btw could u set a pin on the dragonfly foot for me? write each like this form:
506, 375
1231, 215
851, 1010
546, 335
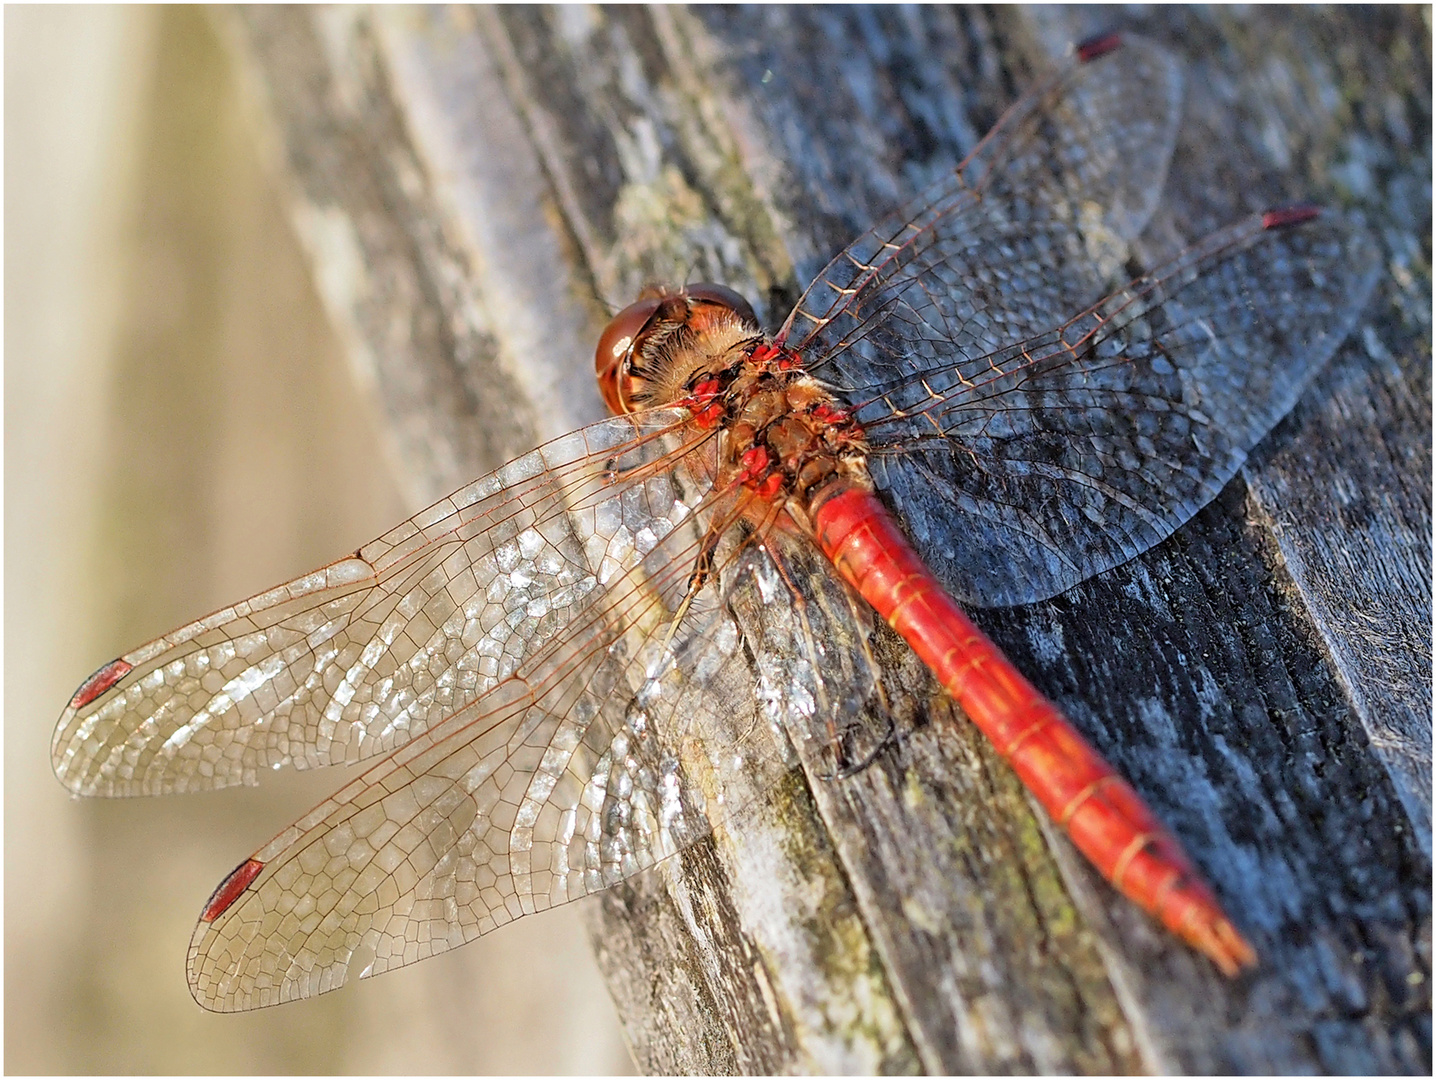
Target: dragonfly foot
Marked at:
846, 768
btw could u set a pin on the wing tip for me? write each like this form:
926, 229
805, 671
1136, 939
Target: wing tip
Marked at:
1094, 48
1281, 217
103, 679
230, 889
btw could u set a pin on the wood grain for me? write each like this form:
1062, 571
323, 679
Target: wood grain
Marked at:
475, 186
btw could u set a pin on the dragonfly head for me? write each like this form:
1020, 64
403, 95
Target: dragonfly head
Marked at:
638, 356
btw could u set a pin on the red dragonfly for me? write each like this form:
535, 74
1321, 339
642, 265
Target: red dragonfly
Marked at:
549, 663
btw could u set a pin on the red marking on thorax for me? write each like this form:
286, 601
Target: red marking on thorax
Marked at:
754, 462
99, 682
709, 416
707, 390
829, 414
231, 888
705, 403
757, 462
769, 486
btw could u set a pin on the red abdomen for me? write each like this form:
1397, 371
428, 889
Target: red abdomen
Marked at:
1105, 818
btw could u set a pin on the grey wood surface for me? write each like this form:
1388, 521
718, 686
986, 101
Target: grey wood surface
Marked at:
475, 186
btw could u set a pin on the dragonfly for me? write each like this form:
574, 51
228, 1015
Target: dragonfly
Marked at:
555, 672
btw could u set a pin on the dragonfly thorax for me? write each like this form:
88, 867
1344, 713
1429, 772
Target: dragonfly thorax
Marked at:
781, 433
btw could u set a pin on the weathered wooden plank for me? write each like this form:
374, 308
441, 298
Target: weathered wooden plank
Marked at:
396, 282
1262, 678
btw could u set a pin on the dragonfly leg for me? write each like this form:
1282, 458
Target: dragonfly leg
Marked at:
846, 768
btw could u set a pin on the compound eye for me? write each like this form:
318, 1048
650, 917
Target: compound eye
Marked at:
615, 350
723, 296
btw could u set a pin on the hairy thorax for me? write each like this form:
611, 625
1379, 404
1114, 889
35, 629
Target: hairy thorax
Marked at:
780, 433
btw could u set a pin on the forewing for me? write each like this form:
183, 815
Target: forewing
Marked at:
1020, 473
1033, 226
607, 748
366, 654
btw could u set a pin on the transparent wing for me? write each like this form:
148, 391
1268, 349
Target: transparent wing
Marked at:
1027, 449
1028, 470
612, 746
366, 654
1033, 226
562, 781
